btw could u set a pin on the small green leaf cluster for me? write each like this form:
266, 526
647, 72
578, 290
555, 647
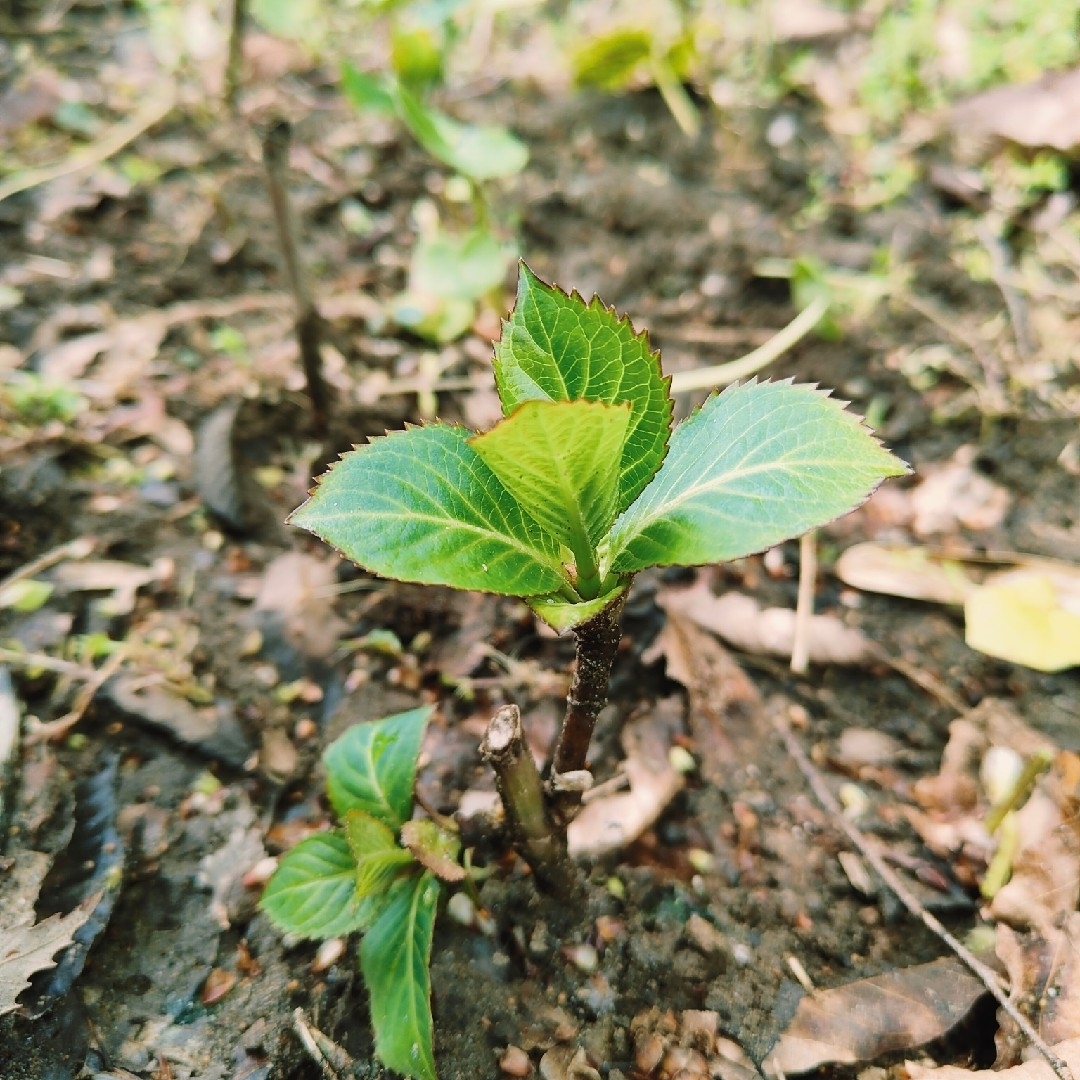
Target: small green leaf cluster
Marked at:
378, 872
451, 269
582, 484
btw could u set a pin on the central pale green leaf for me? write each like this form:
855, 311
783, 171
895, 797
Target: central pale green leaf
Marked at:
394, 957
379, 857
556, 347
560, 460
421, 505
755, 465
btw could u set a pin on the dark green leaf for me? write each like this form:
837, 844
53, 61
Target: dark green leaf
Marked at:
420, 505
755, 465
372, 767
313, 891
558, 348
394, 959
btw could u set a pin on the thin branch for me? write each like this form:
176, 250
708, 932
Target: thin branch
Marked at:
597, 643
235, 62
73, 549
753, 362
308, 328
804, 604
911, 902
112, 142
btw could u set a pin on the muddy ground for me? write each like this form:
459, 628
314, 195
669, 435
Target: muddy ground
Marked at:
616, 201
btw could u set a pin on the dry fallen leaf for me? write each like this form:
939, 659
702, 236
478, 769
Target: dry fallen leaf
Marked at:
1034, 1069
956, 494
609, 823
26, 946
298, 590
915, 573
122, 580
1029, 616
1043, 113
743, 623
861, 1021
723, 705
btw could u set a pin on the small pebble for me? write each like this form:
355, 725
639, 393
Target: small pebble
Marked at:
515, 1062
583, 957
328, 954
461, 909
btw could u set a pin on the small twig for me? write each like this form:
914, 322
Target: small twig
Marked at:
112, 142
753, 362
541, 843
1001, 272
73, 549
58, 728
926, 682
307, 1036
308, 328
234, 64
911, 902
804, 604
34, 661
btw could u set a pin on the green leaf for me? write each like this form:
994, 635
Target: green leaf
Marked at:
755, 465
372, 767
458, 266
394, 959
560, 460
561, 615
609, 61
558, 348
478, 152
365, 92
313, 891
420, 505
378, 856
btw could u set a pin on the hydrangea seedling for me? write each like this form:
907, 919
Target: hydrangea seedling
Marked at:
378, 872
581, 485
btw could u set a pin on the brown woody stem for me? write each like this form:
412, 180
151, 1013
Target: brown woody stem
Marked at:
539, 840
597, 643
308, 325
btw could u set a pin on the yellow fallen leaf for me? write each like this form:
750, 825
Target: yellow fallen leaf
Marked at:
1029, 616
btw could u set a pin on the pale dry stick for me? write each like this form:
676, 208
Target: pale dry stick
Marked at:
58, 728
73, 549
306, 1034
112, 142
804, 603
1001, 272
922, 679
44, 662
911, 902
761, 357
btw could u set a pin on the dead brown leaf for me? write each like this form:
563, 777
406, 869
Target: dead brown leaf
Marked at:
27, 946
1034, 1069
743, 623
298, 589
722, 700
1043, 113
861, 1021
611, 822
